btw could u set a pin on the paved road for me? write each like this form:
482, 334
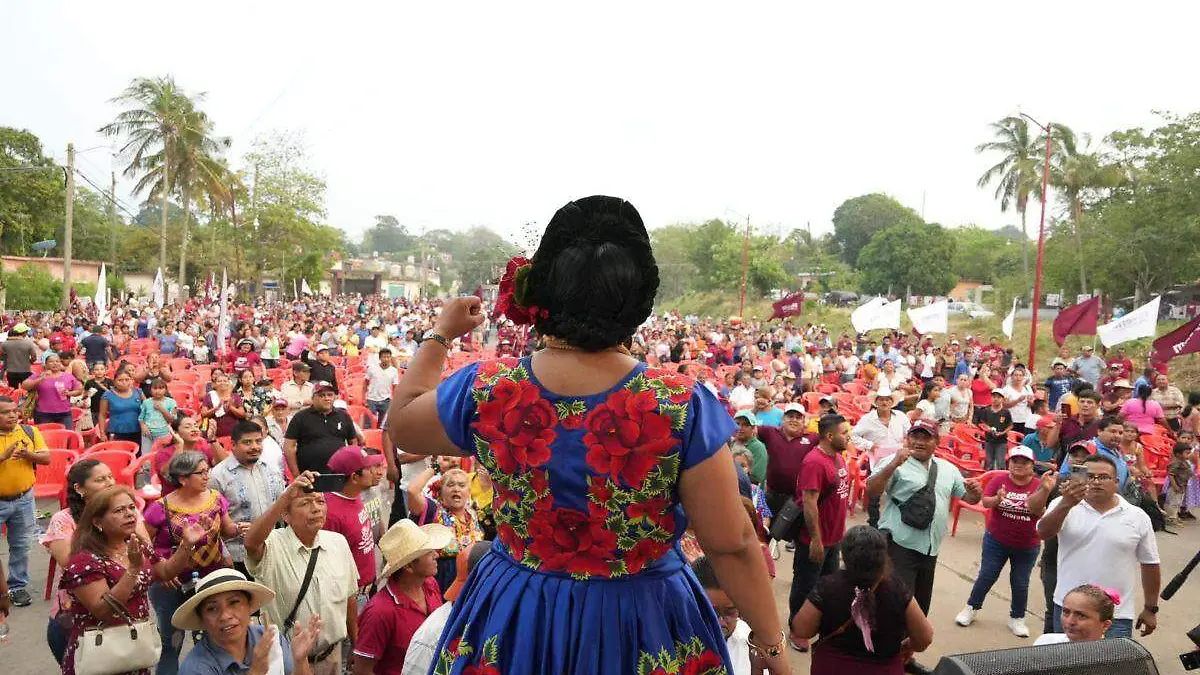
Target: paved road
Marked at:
26, 651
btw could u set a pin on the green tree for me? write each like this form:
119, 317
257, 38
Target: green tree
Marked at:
32, 190
677, 273
1016, 174
857, 220
909, 257
983, 255
388, 236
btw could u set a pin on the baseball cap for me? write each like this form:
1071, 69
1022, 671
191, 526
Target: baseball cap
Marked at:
321, 386
793, 407
1021, 451
280, 403
747, 415
20, 328
997, 390
826, 399
928, 426
1122, 384
351, 458
756, 368
1088, 348
322, 348
1045, 422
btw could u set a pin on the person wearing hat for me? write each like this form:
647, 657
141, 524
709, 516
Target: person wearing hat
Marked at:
280, 557
346, 515
746, 437
422, 649
914, 551
588, 288
995, 421
1016, 499
1043, 443
786, 445
230, 642
19, 354
1111, 376
316, 432
321, 364
298, 391
409, 596
1119, 391
1088, 366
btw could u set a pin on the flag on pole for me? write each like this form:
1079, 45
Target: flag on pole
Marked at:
223, 318
210, 286
295, 291
101, 297
304, 287
932, 318
1141, 322
863, 318
1006, 326
159, 291
1078, 320
1182, 340
791, 305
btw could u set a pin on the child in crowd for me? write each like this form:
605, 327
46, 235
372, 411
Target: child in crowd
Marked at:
737, 632
157, 415
1179, 473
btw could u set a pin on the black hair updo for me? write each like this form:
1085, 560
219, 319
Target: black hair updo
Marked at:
593, 274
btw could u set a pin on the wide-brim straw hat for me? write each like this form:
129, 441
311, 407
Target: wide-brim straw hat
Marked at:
404, 542
187, 617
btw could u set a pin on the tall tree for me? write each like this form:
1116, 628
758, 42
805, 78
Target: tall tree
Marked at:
859, 219
1079, 175
199, 170
31, 191
908, 257
1016, 174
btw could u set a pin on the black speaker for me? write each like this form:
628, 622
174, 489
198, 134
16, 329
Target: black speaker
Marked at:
1120, 656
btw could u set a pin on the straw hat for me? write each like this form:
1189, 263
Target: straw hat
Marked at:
187, 617
404, 542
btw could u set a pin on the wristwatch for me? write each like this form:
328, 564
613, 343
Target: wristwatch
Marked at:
436, 337
1153, 609
770, 651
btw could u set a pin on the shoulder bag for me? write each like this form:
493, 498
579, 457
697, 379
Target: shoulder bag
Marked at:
290, 621
136, 645
917, 511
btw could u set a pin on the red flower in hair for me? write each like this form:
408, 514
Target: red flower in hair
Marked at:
513, 294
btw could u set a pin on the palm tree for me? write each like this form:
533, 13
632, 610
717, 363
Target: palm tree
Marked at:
169, 147
198, 167
1077, 172
1016, 173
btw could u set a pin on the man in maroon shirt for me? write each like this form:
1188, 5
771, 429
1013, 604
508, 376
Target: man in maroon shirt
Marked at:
787, 445
1122, 362
824, 488
1082, 427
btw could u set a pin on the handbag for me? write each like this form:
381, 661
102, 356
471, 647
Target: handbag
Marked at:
28, 405
786, 524
136, 645
917, 511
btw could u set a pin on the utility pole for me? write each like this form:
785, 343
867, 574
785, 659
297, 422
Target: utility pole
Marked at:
68, 226
112, 219
745, 267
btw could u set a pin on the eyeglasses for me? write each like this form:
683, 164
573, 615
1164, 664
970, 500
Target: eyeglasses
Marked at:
1099, 477
199, 472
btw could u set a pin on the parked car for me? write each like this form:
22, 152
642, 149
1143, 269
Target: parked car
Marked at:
841, 298
971, 309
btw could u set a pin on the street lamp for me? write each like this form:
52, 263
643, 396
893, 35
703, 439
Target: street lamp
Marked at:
1041, 247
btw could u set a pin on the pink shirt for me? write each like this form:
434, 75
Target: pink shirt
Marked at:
51, 396
1143, 416
347, 517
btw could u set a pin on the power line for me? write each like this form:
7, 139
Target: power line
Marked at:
104, 193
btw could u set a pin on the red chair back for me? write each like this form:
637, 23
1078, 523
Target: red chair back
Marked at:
373, 439
362, 417
113, 446
64, 439
117, 460
51, 426
51, 479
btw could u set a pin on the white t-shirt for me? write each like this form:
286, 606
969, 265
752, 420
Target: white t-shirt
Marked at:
738, 645
741, 397
380, 382
1105, 549
1020, 411
1050, 639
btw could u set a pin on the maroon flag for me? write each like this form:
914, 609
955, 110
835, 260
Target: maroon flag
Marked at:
791, 305
1078, 320
1182, 340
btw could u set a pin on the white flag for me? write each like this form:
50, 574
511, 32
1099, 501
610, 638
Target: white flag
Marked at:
1007, 324
304, 287
889, 315
933, 318
159, 291
223, 317
1141, 322
863, 318
101, 297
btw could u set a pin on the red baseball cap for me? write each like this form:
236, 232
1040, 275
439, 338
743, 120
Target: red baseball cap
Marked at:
928, 426
352, 458
1045, 422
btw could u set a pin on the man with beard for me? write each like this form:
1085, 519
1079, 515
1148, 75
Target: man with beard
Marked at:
786, 445
280, 559
250, 484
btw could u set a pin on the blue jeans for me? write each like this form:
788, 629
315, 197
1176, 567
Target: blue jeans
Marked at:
17, 515
165, 601
380, 409
1119, 627
1020, 561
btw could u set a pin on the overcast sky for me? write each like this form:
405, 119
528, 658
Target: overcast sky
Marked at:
455, 114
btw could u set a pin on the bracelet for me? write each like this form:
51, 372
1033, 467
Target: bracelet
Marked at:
440, 339
770, 651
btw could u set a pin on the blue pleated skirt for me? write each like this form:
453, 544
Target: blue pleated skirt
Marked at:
513, 620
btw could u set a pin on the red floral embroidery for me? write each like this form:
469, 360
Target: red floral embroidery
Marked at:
702, 663
599, 489
680, 385
572, 422
627, 437
567, 540
643, 553
488, 370
518, 425
481, 669
539, 482
510, 538
656, 510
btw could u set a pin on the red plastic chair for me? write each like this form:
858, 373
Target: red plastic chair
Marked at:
76, 414
63, 438
828, 388
129, 477
373, 438
812, 401
110, 446
50, 480
117, 460
51, 426
957, 505
856, 388
362, 417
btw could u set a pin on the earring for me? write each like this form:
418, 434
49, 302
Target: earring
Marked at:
100, 529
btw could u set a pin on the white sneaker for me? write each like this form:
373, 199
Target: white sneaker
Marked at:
967, 617
1018, 627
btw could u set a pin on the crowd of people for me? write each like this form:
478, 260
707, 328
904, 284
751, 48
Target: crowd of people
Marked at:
364, 485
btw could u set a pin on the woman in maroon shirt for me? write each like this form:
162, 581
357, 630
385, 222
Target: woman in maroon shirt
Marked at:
1016, 499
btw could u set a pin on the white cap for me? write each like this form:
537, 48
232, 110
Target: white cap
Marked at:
1022, 451
793, 407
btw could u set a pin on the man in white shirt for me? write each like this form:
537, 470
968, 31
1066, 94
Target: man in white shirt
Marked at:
1102, 540
742, 394
880, 433
374, 343
298, 391
377, 385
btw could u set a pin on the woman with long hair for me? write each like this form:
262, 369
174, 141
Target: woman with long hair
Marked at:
255, 399
1017, 397
185, 437
1142, 411
109, 559
119, 410
982, 386
598, 465
867, 618
223, 407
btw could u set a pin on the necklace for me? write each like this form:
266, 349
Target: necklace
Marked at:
552, 342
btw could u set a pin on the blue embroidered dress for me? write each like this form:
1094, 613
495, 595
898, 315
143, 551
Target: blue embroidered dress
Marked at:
586, 577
